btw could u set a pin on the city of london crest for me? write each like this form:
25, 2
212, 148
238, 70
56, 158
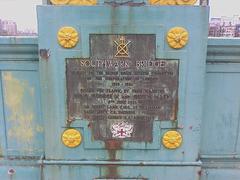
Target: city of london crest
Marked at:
122, 130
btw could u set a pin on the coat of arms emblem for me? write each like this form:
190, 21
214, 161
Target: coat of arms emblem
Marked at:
122, 47
122, 130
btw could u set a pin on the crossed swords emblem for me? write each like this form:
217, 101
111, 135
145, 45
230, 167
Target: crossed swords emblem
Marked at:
122, 47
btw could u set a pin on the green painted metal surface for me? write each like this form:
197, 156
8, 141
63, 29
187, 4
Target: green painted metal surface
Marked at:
22, 143
223, 58
21, 124
220, 127
124, 20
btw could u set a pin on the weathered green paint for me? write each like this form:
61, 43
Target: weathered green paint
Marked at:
20, 106
124, 20
21, 126
219, 152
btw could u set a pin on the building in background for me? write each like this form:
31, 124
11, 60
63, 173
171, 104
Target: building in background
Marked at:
9, 28
0, 26
215, 27
218, 27
225, 27
237, 30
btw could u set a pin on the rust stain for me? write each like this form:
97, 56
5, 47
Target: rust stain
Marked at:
174, 113
112, 147
69, 121
44, 53
16, 94
200, 173
90, 125
112, 171
113, 144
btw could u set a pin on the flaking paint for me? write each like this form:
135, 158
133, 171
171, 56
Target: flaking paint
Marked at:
22, 126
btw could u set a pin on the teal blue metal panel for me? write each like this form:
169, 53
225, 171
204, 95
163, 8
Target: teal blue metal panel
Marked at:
21, 121
58, 172
221, 116
124, 20
18, 49
223, 50
216, 73
2, 124
24, 129
220, 168
19, 173
221, 174
220, 129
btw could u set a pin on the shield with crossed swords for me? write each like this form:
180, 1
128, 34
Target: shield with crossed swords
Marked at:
122, 47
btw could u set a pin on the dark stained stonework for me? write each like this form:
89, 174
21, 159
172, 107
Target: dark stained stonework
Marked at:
137, 88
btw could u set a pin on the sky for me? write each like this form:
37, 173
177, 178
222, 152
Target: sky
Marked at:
24, 11
220, 8
21, 11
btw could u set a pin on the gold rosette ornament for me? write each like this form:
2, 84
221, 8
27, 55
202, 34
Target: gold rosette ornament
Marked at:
172, 139
67, 37
59, 2
162, 2
83, 2
71, 138
186, 2
74, 2
177, 37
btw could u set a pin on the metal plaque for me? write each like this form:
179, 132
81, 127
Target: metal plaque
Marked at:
122, 88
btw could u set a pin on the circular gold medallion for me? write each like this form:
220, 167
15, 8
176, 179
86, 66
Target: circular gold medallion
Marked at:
83, 2
67, 37
71, 138
172, 139
186, 2
177, 37
59, 2
162, 2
